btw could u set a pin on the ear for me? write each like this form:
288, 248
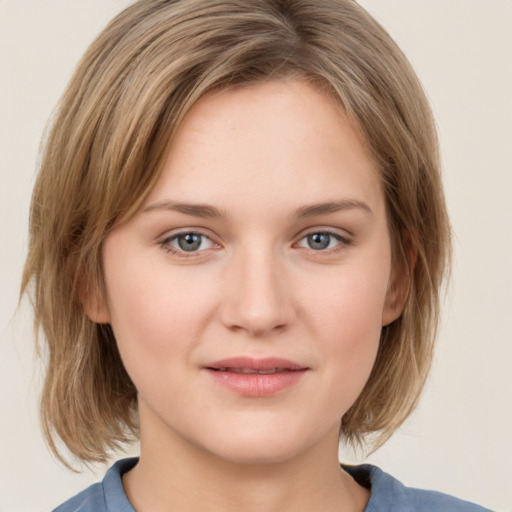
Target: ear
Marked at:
399, 286
94, 304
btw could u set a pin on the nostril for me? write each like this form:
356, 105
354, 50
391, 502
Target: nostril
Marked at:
256, 310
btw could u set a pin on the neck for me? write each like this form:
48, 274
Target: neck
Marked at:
173, 475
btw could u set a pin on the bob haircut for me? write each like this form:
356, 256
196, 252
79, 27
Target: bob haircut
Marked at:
104, 150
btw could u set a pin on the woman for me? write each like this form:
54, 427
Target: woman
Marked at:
238, 236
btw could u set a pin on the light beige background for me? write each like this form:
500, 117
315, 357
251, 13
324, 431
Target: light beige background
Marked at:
460, 439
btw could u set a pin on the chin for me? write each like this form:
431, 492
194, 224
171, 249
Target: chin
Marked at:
258, 455
262, 447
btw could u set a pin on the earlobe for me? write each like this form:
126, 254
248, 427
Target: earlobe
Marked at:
98, 314
399, 287
394, 304
94, 305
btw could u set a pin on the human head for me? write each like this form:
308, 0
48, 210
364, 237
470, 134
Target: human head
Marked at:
104, 152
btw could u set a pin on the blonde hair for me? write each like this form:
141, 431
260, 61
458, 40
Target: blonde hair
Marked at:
104, 151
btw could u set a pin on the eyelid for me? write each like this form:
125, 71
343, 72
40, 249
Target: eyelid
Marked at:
344, 240
165, 240
341, 234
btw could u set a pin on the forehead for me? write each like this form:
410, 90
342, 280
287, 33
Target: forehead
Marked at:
276, 142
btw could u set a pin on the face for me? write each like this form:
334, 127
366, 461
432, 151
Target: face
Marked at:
248, 294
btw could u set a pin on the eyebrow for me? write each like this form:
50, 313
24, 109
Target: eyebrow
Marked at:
193, 209
211, 212
331, 207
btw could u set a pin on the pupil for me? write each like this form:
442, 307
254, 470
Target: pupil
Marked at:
319, 240
189, 242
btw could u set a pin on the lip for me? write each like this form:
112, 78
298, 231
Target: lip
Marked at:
253, 377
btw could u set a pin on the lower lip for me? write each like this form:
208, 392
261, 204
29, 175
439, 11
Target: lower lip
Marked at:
256, 384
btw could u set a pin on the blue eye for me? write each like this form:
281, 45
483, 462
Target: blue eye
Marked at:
321, 241
187, 242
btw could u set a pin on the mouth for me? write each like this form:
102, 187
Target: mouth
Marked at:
252, 371
256, 377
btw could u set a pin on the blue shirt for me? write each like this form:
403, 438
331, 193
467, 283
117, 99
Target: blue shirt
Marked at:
387, 494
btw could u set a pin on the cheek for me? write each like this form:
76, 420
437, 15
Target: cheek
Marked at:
347, 320
156, 312
352, 301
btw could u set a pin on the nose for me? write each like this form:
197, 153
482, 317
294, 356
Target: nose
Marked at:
257, 297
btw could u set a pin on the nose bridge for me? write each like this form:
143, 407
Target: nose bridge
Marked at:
256, 300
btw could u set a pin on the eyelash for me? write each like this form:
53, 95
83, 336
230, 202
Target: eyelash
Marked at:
343, 243
166, 244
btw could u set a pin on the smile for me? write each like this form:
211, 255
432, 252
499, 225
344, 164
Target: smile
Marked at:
251, 371
256, 377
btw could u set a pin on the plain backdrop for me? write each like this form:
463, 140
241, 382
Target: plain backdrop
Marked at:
460, 438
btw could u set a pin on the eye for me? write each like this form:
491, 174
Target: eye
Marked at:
322, 240
187, 242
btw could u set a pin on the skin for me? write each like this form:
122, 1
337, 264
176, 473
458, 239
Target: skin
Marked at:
255, 286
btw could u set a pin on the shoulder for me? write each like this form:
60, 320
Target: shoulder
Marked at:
90, 499
389, 495
105, 496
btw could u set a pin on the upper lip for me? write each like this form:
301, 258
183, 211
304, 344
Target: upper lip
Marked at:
255, 364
